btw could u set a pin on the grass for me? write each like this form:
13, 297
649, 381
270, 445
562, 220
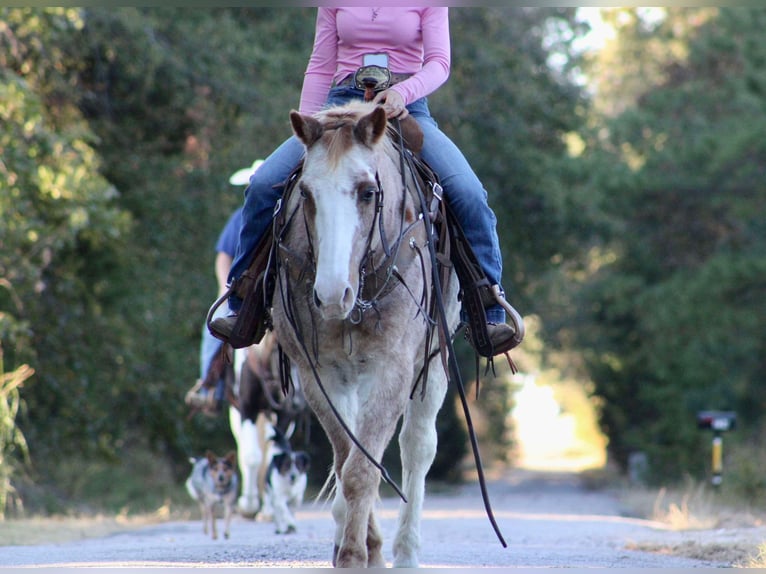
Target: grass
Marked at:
758, 560
60, 529
726, 523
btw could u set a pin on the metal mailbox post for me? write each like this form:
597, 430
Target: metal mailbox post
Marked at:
719, 422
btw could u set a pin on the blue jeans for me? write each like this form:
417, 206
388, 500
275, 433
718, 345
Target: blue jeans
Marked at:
209, 346
462, 187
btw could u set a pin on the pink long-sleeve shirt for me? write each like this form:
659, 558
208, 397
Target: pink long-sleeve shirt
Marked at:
416, 40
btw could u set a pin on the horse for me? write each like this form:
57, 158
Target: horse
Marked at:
350, 308
257, 405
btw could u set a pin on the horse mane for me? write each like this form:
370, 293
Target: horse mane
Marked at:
338, 123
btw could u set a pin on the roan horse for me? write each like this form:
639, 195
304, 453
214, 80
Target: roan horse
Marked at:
350, 309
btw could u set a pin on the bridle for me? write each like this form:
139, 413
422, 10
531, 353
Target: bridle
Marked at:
377, 267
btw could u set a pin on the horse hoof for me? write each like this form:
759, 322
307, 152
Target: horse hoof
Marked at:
348, 558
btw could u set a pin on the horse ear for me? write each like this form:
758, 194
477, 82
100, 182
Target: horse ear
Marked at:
306, 128
371, 127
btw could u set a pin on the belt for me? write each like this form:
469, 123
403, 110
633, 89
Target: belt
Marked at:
378, 78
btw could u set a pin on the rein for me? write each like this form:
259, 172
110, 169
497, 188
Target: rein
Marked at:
451, 354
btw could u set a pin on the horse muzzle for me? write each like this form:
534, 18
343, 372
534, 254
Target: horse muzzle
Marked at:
335, 301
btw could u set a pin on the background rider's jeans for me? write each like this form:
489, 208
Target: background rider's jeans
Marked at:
466, 194
209, 346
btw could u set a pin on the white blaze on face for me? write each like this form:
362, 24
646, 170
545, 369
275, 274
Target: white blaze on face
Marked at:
338, 233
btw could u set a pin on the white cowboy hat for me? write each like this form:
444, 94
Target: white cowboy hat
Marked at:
242, 176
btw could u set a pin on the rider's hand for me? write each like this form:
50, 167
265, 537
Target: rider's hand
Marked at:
393, 104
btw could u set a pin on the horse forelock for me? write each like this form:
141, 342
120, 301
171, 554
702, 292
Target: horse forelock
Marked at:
338, 136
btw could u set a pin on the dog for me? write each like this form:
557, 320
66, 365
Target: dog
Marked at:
214, 481
286, 481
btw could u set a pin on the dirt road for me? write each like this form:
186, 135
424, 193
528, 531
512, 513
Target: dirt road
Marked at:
548, 520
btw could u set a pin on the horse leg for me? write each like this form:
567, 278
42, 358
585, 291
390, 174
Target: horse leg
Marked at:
360, 480
339, 517
264, 426
373, 541
417, 443
250, 459
374, 544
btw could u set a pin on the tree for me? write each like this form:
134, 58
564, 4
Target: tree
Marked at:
61, 228
672, 328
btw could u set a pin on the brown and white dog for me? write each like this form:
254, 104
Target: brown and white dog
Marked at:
213, 481
286, 481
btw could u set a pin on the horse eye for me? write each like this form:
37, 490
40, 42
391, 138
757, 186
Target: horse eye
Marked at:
367, 193
303, 191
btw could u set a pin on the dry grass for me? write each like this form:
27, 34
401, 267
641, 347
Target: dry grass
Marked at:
59, 529
755, 560
727, 532
734, 554
693, 511
694, 506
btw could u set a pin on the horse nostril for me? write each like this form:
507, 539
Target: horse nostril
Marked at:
317, 302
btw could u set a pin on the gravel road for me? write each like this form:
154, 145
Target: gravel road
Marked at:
548, 520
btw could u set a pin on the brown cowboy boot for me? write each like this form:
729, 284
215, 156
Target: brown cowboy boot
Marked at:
504, 336
200, 398
222, 327
247, 326
254, 288
490, 339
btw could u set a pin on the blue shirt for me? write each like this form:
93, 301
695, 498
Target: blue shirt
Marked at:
229, 238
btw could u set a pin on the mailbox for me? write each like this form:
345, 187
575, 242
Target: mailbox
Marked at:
719, 422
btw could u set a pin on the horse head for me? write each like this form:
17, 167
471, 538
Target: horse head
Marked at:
341, 193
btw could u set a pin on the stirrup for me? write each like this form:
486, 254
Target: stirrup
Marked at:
475, 302
515, 317
250, 326
206, 404
214, 307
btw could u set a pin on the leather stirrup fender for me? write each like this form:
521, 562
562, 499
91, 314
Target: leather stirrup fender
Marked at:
474, 285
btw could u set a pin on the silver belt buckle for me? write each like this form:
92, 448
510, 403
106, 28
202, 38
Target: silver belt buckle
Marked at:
375, 77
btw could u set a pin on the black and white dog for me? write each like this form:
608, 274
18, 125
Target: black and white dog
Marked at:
286, 481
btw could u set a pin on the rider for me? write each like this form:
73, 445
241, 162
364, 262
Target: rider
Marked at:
413, 46
199, 396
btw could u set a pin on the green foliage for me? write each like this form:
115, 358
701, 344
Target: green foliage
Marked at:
61, 232
743, 464
673, 325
